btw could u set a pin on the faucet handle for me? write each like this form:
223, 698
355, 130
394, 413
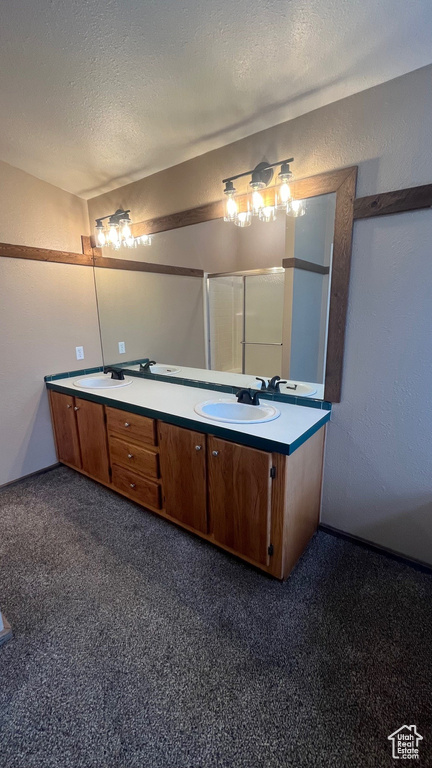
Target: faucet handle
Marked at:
273, 383
146, 366
248, 397
116, 373
276, 387
263, 383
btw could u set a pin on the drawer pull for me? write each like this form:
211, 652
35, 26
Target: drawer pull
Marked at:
127, 424
132, 485
130, 456
198, 447
215, 453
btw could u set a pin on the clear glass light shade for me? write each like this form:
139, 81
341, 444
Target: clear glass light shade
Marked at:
231, 207
145, 239
257, 202
126, 237
243, 219
125, 230
268, 213
113, 235
284, 195
296, 208
100, 236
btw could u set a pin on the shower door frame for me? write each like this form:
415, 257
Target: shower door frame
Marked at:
244, 273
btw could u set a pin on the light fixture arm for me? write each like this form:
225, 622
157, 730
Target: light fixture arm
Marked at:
118, 214
259, 168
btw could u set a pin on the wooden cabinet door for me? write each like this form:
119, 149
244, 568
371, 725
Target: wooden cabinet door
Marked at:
182, 455
240, 498
93, 439
65, 428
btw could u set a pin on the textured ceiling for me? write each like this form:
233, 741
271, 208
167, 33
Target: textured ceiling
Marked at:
99, 93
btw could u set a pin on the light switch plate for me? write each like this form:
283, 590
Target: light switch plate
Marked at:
79, 353
122, 347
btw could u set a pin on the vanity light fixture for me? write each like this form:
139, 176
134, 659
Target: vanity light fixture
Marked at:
243, 218
268, 213
285, 197
118, 232
256, 184
145, 240
263, 204
297, 208
231, 207
100, 234
113, 232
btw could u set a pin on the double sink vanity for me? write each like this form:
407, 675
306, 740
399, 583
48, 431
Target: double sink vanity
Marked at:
260, 311
245, 477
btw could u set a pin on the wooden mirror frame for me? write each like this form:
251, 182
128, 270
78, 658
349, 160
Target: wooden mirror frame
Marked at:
342, 183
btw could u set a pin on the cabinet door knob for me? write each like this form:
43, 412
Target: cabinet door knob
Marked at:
68, 406
198, 447
76, 408
130, 455
215, 453
132, 485
127, 424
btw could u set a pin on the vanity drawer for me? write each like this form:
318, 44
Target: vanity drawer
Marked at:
139, 488
132, 456
131, 426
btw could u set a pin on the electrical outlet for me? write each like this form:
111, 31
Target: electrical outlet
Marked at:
122, 347
79, 353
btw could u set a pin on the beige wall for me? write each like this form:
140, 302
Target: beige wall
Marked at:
377, 482
368, 129
46, 310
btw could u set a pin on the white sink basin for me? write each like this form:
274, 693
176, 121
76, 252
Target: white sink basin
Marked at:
102, 381
236, 413
305, 390
167, 370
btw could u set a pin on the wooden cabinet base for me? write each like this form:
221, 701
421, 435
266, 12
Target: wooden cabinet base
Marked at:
139, 488
259, 506
296, 502
183, 469
295, 508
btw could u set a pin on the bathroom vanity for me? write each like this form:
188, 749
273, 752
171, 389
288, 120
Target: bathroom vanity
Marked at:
251, 489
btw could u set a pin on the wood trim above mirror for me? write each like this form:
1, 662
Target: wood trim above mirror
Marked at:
312, 186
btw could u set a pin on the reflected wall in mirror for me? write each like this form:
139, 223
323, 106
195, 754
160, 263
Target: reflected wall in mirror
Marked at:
235, 303
274, 320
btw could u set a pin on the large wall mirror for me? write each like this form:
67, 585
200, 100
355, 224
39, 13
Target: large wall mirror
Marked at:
213, 302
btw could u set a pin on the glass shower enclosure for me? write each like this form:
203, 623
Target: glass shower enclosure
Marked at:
245, 321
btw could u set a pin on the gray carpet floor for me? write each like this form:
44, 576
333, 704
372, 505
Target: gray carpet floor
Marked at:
137, 644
